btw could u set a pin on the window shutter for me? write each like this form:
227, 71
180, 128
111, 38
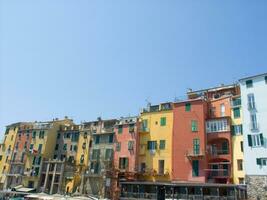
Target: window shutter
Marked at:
262, 139
249, 141
258, 161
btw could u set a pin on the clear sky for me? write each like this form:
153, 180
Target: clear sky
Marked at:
85, 58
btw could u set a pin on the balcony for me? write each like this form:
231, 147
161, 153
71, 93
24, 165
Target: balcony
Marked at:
195, 154
144, 129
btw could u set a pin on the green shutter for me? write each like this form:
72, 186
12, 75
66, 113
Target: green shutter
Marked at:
163, 121
236, 112
258, 160
249, 141
188, 107
262, 139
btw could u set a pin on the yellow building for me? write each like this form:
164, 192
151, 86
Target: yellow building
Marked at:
155, 147
42, 146
237, 141
75, 183
6, 151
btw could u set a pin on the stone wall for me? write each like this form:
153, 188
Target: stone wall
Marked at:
256, 187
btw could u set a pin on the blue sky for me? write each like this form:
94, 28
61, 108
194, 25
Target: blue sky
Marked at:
86, 59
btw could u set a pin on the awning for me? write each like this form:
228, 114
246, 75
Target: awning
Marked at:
23, 189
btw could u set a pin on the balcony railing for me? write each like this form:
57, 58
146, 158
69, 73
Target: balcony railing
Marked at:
219, 173
216, 152
138, 195
195, 154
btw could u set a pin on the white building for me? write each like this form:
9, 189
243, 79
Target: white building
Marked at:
254, 104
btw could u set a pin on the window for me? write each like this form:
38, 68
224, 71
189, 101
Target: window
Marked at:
82, 159
222, 107
236, 102
31, 146
241, 146
161, 167
143, 167
249, 83
239, 164
56, 147
75, 137
34, 134
236, 112
131, 128
96, 154
163, 121
144, 125
251, 101
118, 146
254, 124
75, 147
237, 130
109, 154
65, 147
213, 126
58, 135
130, 145
110, 139
152, 145
40, 148
195, 168
255, 140
261, 161
41, 134
194, 126
70, 147
55, 156
85, 135
265, 79
120, 127
188, 107
196, 146
97, 139
123, 163
1, 157
162, 144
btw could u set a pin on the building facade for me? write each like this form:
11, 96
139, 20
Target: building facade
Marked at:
126, 143
237, 140
254, 107
189, 140
155, 146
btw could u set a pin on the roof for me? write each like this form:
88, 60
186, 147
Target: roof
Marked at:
251, 77
189, 100
213, 89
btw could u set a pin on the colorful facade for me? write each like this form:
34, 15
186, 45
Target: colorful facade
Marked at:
189, 141
188, 147
155, 146
126, 143
237, 140
254, 108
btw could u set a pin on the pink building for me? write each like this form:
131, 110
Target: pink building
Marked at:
125, 151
